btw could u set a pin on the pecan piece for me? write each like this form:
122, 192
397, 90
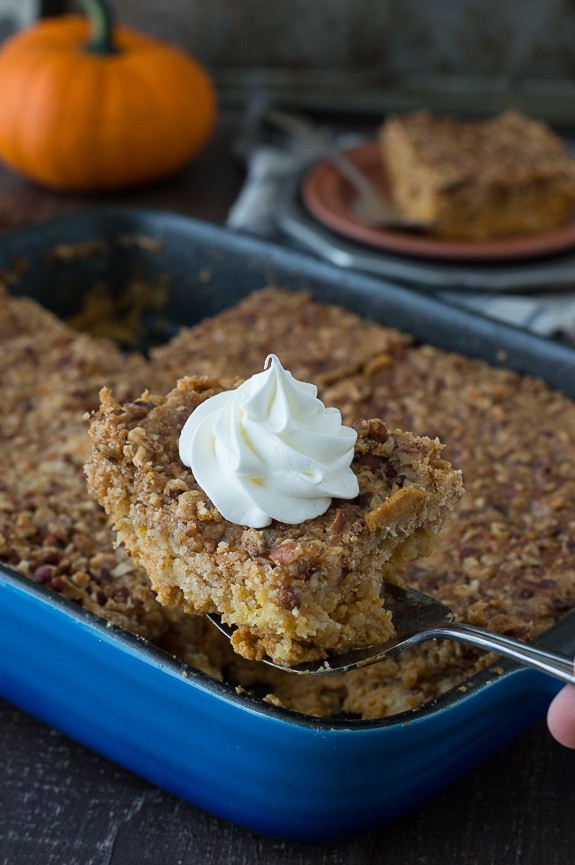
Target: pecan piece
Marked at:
285, 553
289, 598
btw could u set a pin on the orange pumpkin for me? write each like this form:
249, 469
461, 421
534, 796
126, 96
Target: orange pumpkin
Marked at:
86, 105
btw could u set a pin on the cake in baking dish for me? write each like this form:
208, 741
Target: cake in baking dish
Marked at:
478, 180
503, 559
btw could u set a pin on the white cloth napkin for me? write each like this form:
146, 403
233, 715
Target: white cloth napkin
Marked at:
546, 311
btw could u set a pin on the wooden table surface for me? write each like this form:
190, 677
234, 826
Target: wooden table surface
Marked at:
61, 804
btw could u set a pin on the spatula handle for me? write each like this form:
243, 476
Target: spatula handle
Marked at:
553, 664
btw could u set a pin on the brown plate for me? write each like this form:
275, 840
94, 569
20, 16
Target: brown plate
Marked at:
328, 196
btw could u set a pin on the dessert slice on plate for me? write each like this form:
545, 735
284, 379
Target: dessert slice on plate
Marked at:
258, 504
478, 180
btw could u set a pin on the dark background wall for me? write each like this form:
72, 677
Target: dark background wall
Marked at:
373, 53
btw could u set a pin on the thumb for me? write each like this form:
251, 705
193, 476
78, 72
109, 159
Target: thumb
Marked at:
561, 717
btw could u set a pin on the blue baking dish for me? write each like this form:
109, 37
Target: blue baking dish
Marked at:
264, 768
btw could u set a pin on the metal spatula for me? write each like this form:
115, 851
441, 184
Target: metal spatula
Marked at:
418, 617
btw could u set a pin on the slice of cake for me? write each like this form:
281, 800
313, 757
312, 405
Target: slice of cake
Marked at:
476, 180
296, 587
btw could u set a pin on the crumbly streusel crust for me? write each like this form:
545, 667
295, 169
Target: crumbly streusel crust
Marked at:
508, 175
318, 342
295, 592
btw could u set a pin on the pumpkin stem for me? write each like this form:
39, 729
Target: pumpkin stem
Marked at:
101, 22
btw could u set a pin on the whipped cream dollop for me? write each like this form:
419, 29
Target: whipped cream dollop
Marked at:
269, 449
